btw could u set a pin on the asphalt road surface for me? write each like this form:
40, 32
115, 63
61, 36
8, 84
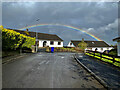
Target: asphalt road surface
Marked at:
47, 70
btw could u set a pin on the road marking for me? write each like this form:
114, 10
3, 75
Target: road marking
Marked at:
42, 62
47, 62
40, 55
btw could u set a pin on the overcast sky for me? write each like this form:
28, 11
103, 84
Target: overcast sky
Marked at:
97, 18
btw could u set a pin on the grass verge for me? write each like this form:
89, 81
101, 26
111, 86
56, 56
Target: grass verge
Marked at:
105, 58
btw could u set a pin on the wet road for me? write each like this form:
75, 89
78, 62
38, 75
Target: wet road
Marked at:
106, 72
47, 70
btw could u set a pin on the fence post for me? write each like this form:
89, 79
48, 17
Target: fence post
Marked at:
88, 51
100, 55
94, 53
113, 59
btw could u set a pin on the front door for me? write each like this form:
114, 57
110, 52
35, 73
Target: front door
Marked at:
44, 43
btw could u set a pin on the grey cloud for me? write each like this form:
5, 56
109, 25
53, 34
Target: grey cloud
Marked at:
95, 17
107, 32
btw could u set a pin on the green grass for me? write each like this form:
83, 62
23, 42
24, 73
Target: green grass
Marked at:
107, 56
104, 58
117, 64
117, 59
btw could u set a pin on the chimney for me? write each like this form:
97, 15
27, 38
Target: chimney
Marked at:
27, 30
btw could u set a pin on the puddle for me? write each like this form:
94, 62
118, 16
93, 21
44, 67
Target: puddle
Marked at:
83, 86
81, 72
62, 57
80, 56
85, 78
74, 77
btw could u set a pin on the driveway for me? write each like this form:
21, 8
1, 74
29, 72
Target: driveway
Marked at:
47, 70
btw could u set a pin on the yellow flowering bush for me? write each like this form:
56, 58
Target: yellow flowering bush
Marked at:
12, 39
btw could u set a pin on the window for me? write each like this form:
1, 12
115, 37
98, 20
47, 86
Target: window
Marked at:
70, 43
59, 43
44, 43
51, 42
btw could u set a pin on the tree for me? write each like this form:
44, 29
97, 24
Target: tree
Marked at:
82, 45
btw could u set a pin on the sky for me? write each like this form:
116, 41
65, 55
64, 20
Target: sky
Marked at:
97, 18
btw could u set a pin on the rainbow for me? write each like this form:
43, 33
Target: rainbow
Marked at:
68, 26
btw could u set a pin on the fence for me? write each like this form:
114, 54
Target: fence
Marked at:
111, 59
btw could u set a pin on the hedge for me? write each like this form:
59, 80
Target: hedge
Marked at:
13, 40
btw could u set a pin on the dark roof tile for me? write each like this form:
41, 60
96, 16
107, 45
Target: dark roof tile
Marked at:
41, 36
92, 43
118, 38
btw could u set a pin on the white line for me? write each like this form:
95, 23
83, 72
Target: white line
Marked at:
40, 55
42, 62
47, 62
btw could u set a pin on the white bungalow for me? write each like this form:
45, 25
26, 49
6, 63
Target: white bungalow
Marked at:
44, 40
49, 40
92, 45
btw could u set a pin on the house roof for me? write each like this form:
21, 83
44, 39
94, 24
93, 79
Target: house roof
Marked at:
91, 43
118, 38
41, 36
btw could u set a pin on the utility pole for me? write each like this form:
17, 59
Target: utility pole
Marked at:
37, 37
36, 41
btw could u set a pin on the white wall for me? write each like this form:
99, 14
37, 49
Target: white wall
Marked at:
99, 49
48, 43
70, 45
118, 48
41, 43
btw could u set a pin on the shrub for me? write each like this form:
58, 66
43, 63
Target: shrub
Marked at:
113, 52
11, 40
26, 50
